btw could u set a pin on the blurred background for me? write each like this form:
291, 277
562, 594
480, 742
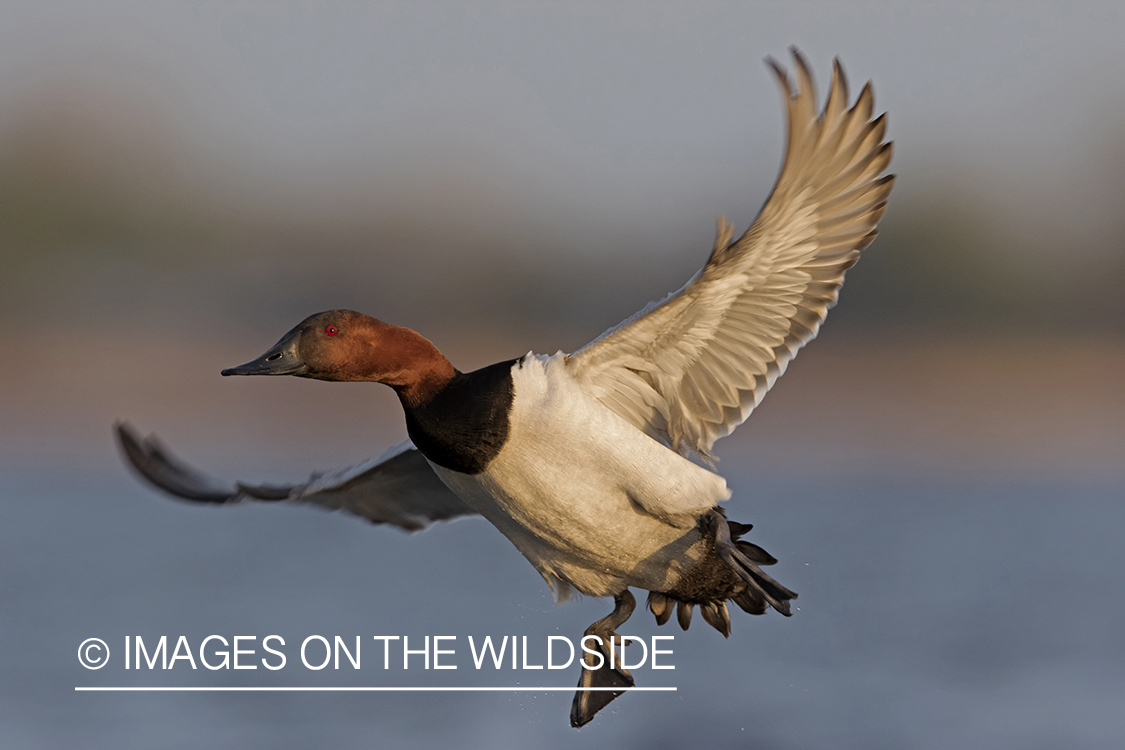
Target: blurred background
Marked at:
940, 473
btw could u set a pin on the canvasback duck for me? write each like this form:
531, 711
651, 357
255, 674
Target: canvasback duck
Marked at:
582, 460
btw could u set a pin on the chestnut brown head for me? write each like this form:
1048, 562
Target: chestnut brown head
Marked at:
347, 345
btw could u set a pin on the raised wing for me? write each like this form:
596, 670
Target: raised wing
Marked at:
691, 368
398, 487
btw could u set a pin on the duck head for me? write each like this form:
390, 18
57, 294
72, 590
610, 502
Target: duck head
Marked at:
344, 345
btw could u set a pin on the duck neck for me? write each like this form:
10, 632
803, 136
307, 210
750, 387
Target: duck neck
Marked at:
427, 385
420, 371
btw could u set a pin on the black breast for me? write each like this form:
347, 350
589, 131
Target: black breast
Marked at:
465, 425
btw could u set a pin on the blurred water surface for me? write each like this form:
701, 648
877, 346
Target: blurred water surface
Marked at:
935, 611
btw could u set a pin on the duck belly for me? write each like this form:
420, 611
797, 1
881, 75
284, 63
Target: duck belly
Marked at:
592, 502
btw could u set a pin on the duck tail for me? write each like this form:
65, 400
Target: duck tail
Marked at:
758, 593
745, 558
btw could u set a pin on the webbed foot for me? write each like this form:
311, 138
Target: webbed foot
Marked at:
588, 702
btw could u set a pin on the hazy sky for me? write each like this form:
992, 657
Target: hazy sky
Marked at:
605, 100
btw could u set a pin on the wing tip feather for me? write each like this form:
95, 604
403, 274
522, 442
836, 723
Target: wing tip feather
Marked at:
839, 152
782, 77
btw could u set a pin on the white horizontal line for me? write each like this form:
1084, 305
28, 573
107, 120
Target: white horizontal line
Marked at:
295, 689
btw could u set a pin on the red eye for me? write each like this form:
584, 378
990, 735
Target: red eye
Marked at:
331, 330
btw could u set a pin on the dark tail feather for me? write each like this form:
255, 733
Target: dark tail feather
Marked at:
755, 553
717, 616
744, 558
661, 606
751, 550
738, 529
750, 601
776, 595
683, 614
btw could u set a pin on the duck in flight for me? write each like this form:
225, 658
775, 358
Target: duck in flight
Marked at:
582, 460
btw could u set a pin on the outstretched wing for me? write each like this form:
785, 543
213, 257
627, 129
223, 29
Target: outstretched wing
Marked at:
691, 368
398, 487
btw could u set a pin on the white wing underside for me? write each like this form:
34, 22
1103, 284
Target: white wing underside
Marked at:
689, 369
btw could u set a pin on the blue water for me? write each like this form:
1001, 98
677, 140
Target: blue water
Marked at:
935, 612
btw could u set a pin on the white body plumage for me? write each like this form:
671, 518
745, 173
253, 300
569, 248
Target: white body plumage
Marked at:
590, 500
